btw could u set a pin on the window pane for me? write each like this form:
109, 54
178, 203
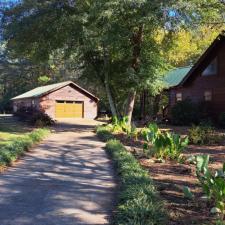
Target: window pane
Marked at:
208, 95
179, 97
211, 69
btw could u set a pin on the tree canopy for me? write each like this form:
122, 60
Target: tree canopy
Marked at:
112, 43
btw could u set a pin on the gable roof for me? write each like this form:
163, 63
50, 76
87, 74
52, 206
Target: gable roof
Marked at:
201, 64
175, 76
43, 90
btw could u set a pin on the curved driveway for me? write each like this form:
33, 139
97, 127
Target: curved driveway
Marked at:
66, 180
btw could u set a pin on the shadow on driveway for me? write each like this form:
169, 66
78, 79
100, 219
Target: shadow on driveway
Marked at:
66, 180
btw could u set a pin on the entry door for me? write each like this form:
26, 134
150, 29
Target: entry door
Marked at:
68, 109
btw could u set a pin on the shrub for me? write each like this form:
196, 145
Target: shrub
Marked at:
104, 133
203, 134
41, 119
138, 201
34, 117
17, 146
213, 184
221, 120
185, 113
121, 125
163, 144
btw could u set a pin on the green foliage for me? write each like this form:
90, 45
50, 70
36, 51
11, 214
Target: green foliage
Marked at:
187, 193
43, 80
163, 144
121, 125
34, 117
16, 147
185, 113
151, 133
104, 133
138, 200
221, 120
220, 222
203, 134
213, 184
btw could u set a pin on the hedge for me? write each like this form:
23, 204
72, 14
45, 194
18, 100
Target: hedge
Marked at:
17, 146
139, 203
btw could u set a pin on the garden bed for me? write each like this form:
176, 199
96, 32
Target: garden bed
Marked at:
171, 177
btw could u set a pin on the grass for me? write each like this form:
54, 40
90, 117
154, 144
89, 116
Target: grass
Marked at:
16, 138
139, 203
104, 133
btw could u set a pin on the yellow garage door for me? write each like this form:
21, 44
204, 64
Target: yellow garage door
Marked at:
68, 109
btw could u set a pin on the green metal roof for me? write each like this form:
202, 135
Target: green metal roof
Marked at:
41, 90
174, 77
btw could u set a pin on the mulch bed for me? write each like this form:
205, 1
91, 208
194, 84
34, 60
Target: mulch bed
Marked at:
170, 178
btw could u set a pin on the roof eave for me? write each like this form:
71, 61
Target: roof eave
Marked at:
202, 58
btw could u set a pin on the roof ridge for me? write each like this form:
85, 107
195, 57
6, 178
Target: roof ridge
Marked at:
42, 90
53, 84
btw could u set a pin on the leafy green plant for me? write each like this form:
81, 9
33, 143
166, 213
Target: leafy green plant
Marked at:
187, 193
120, 125
133, 133
138, 201
163, 144
151, 133
213, 184
104, 133
203, 134
17, 146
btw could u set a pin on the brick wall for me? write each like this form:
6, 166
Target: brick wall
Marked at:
68, 93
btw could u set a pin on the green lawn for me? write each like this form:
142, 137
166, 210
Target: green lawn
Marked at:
16, 138
10, 128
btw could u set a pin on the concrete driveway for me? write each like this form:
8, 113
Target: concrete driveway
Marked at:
66, 180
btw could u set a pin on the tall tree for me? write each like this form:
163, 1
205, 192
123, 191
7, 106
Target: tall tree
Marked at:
116, 37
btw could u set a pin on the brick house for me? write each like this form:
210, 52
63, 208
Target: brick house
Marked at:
203, 82
61, 100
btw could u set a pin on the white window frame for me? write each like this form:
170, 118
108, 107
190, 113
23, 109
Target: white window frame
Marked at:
179, 96
208, 96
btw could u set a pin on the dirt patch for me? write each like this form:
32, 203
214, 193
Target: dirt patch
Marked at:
170, 179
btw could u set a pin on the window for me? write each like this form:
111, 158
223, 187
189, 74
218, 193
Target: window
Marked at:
179, 97
211, 69
208, 96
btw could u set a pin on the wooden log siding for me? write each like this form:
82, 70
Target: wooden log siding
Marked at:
195, 88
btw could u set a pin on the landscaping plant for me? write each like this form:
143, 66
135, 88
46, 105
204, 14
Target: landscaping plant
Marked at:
10, 152
121, 125
139, 203
212, 183
34, 117
104, 133
203, 134
163, 144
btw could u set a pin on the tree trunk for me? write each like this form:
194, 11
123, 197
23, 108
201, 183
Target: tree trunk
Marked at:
156, 105
106, 82
130, 105
136, 41
109, 95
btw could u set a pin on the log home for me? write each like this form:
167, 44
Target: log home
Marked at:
204, 82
